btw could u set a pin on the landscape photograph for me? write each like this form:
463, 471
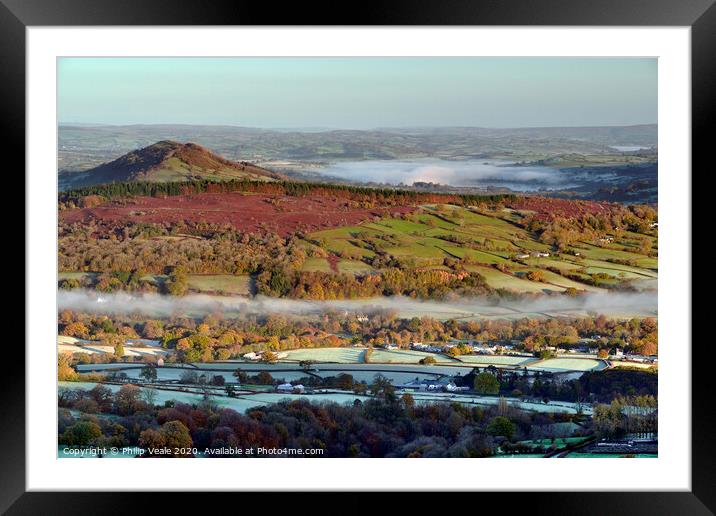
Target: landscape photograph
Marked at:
364, 257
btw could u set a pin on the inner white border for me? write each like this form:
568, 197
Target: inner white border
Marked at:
671, 470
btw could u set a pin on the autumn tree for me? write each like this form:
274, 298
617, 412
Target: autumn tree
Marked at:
65, 372
269, 357
177, 438
127, 399
177, 284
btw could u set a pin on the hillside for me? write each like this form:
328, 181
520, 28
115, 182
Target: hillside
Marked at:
356, 242
167, 161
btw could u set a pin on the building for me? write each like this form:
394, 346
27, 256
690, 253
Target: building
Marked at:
419, 346
287, 387
422, 385
451, 387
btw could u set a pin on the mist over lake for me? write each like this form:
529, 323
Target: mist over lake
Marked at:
472, 173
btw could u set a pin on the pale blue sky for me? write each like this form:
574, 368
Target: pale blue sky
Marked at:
359, 93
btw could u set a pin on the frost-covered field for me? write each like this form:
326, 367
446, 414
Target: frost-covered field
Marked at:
165, 374
637, 365
132, 348
278, 369
496, 360
407, 356
536, 406
247, 401
240, 404
336, 355
569, 364
356, 355
395, 377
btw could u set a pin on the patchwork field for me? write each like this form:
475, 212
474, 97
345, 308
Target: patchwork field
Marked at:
342, 238
428, 236
381, 356
247, 401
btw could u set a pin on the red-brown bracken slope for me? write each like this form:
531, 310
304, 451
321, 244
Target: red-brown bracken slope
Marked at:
546, 208
280, 214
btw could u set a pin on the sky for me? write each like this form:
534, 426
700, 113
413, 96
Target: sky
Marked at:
358, 93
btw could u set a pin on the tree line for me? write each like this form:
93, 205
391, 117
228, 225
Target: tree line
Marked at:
392, 196
214, 337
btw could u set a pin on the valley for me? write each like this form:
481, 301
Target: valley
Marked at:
192, 285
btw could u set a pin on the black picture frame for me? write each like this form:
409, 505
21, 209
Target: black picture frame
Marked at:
700, 15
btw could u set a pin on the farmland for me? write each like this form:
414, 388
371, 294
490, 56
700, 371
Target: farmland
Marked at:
354, 360
491, 244
308, 287
253, 399
72, 345
333, 242
220, 284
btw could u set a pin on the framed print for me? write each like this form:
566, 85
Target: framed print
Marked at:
431, 248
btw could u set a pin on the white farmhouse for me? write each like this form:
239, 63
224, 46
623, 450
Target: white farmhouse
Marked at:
287, 387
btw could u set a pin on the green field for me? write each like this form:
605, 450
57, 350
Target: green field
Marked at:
316, 265
220, 283
353, 267
497, 279
208, 283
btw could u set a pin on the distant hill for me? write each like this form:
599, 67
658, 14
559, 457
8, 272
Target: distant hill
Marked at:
167, 161
81, 148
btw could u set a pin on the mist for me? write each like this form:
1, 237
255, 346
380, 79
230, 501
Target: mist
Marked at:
473, 173
638, 304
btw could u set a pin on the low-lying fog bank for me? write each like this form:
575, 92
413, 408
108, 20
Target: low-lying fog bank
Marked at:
640, 304
473, 173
